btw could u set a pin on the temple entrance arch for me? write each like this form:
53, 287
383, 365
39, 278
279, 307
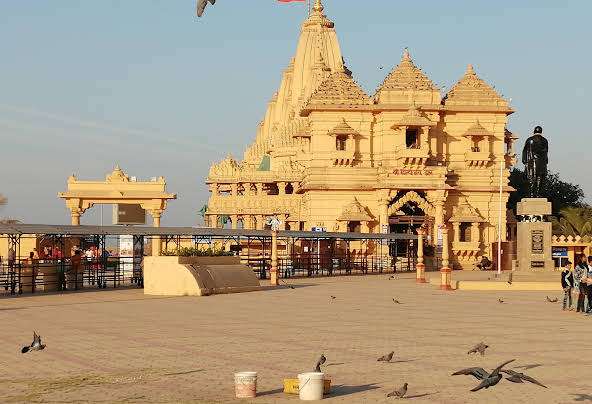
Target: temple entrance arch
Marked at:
118, 188
407, 212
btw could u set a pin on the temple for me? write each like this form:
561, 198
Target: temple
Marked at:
327, 155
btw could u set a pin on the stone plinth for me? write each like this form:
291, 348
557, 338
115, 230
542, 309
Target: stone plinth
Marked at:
534, 237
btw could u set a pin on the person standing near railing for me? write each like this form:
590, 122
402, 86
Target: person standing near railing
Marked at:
72, 274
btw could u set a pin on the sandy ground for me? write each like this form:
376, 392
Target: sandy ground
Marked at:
121, 346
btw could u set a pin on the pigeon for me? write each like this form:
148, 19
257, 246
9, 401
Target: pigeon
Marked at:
333, 297
500, 300
392, 277
480, 347
36, 345
399, 393
477, 373
321, 361
201, 6
554, 300
515, 376
386, 358
493, 378
396, 301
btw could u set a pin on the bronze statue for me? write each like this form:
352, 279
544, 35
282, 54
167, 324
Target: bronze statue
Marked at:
535, 159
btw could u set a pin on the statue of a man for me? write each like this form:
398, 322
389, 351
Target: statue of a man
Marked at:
535, 159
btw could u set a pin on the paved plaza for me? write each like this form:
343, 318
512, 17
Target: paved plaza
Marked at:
122, 346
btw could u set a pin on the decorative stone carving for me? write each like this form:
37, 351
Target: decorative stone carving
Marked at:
464, 212
414, 197
354, 212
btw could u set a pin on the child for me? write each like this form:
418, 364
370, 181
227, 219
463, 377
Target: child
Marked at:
567, 283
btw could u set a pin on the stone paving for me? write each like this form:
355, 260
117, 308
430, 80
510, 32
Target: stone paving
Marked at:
122, 346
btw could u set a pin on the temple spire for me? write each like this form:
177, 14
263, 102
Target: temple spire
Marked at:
318, 7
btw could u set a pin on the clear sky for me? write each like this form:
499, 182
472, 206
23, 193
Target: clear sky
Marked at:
86, 84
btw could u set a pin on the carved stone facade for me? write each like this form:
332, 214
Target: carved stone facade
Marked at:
324, 143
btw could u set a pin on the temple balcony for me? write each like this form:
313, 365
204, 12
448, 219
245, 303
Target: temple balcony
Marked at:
412, 156
477, 158
254, 204
344, 157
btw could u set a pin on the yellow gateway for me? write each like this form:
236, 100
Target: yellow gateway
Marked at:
328, 155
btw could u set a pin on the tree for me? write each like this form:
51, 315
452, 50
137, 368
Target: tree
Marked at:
3, 200
573, 222
561, 194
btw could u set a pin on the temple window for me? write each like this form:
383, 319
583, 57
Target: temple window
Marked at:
412, 138
475, 144
354, 227
465, 232
272, 189
340, 142
289, 189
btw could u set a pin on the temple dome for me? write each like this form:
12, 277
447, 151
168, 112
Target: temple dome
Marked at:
472, 90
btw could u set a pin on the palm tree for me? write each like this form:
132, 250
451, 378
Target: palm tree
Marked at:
573, 222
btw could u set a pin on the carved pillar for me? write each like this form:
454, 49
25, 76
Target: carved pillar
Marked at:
420, 267
295, 187
234, 189
475, 236
260, 222
213, 221
274, 259
234, 220
383, 213
156, 245
445, 271
259, 186
75, 216
439, 217
456, 229
282, 187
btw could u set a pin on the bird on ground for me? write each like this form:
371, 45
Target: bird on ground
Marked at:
386, 358
493, 378
480, 347
288, 285
392, 277
500, 300
400, 393
396, 301
554, 300
36, 345
333, 297
201, 6
519, 377
322, 360
510, 278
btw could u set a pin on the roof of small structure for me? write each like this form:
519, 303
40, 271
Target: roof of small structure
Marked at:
343, 128
338, 89
414, 117
477, 130
407, 76
472, 90
354, 212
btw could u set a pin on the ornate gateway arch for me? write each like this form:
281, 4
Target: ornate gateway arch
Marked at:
414, 197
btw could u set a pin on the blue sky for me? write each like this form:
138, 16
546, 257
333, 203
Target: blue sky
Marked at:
85, 85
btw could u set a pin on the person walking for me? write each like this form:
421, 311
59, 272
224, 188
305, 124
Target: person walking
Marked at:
580, 274
589, 285
567, 284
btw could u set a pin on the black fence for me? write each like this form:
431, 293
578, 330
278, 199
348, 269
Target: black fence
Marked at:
31, 276
314, 265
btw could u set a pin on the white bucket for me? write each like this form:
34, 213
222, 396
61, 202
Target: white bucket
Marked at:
245, 384
311, 386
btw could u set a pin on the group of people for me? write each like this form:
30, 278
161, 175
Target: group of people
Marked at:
578, 278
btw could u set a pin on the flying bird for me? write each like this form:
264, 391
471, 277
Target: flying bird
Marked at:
480, 347
201, 6
477, 373
400, 393
493, 378
321, 361
36, 345
554, 300
386, 358
518, 377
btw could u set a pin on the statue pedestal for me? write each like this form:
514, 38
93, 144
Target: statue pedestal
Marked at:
534, 236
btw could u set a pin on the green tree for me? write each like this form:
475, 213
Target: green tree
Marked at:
573, 222
560, 193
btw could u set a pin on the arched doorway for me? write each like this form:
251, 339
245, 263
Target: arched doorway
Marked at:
408, 211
